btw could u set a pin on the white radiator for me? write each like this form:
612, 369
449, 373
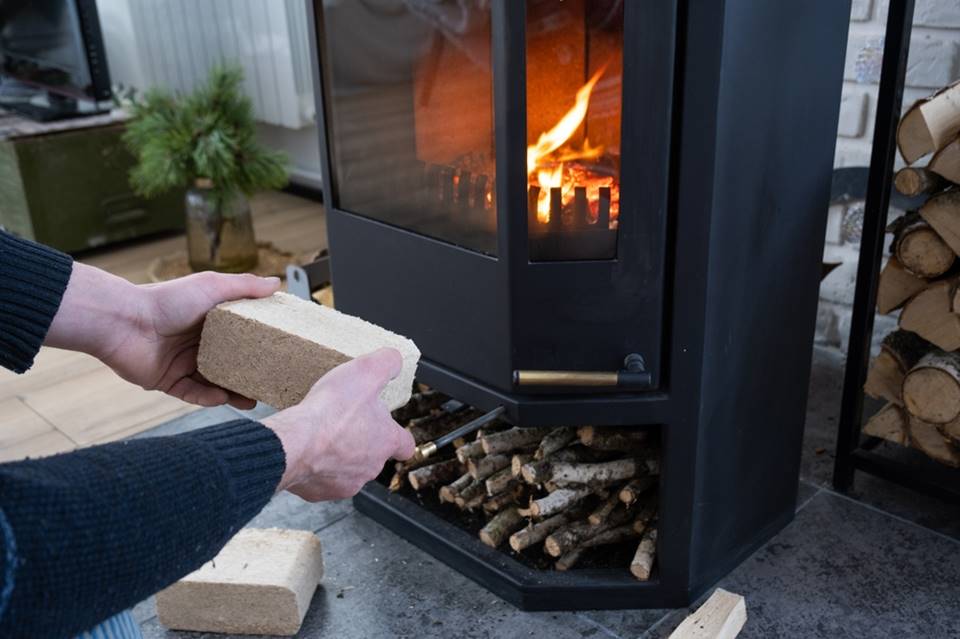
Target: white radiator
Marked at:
177, 41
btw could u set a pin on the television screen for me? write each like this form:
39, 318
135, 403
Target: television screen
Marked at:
42, 42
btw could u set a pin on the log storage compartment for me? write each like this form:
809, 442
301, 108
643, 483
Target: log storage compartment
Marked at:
549, 498
604, 219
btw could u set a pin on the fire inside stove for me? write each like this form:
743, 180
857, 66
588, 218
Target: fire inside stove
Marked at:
413, 123
574, 63
576, 183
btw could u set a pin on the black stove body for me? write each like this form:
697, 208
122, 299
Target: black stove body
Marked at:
597, 212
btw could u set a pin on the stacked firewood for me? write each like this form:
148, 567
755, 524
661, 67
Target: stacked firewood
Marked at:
561, 490
918, 369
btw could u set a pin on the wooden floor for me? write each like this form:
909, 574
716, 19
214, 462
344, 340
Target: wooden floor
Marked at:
69, 400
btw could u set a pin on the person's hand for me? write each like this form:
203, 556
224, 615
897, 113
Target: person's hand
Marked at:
149, 335
339, 437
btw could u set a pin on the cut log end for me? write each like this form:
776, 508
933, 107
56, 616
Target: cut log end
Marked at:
440, 472
924, 253
642, 564
500, 527
722, 616
927, 437
890, 424
930, 315
896, 286
913, 137
913, 181
931, 390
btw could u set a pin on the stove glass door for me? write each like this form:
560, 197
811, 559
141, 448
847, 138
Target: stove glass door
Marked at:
409, 116
574, 52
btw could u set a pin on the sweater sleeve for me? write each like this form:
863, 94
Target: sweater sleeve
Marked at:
32, 281
87, 534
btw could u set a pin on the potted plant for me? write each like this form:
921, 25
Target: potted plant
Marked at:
205, 141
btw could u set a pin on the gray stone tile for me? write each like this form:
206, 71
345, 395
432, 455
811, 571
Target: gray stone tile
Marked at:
845, 570
630, 623
805, 492
289, 511
823, 410
819, 446
192, 421
284, 511
377, 585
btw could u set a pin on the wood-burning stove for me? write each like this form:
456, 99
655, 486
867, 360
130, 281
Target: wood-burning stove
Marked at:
602, 212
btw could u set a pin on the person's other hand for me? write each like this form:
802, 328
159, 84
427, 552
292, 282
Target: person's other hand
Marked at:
150, 335
341, 434
161, 352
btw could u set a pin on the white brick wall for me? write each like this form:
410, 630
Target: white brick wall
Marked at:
934, 62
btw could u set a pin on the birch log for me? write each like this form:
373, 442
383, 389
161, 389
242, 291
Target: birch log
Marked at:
931, 390
642, 563
501, 526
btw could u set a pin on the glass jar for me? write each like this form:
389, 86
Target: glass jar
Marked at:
219, 230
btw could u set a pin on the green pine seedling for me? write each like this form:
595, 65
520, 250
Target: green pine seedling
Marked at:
209, 133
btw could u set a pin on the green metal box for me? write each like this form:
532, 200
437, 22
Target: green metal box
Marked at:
69, 189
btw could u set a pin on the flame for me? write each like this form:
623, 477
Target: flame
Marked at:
548, 160
551, 140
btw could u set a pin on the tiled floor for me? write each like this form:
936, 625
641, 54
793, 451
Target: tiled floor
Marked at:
859, 567
69, 399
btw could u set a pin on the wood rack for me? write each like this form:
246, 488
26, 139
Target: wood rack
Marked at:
855, 452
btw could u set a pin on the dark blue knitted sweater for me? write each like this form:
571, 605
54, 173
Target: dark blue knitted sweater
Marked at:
85, 535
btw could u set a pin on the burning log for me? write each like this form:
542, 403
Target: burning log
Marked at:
642, 563
611, 439
558, 500
553, 442
499, 481
512, 439
501, 527
433, 474
483, 467
448, 494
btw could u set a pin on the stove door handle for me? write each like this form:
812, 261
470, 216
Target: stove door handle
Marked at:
634, 375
